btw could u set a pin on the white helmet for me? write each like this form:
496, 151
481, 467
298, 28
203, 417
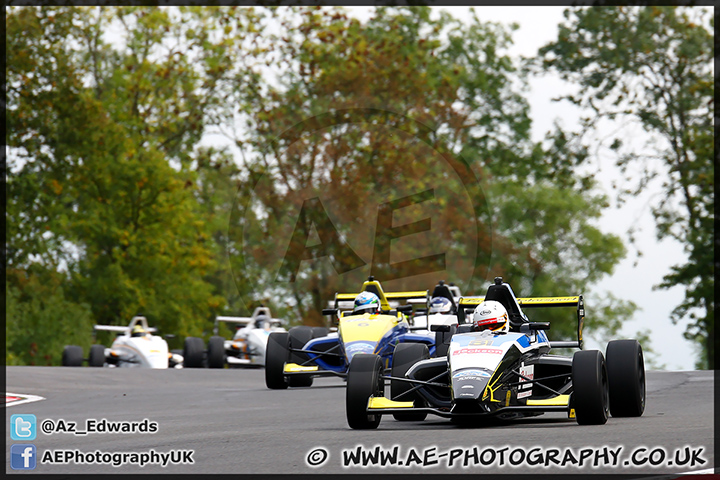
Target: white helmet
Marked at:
491, 315
440, 305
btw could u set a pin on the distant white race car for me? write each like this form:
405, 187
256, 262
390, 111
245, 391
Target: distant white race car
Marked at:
442, 307
134, 346
246, 348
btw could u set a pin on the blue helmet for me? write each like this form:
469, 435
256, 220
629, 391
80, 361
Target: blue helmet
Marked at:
366, 302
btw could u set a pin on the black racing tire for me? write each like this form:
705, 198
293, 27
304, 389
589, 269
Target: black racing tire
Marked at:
318, 332
405, 356
442, 342
72, 356
216, 352
626, 375
590, 387
193, 352
299, 336
97, 356
276, 355
364, 380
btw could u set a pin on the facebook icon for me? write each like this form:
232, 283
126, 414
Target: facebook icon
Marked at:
22, 457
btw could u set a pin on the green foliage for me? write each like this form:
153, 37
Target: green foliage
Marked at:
351, 118
40, 320
653, 65
390, 123
102, 180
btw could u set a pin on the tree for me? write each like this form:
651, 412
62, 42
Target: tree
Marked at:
653, 65
103, 165
363, 119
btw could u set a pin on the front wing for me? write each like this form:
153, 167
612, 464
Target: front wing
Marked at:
386, 406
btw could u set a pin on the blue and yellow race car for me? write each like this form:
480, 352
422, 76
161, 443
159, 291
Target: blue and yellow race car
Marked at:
295, 357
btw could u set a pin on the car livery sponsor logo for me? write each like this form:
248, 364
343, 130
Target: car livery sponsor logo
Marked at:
359, 347
525, 389
482, 341
471, 373
492, 351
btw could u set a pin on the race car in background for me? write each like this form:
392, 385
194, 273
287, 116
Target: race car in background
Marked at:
442, 309
134, 346
295, 357
505, 374
246, 348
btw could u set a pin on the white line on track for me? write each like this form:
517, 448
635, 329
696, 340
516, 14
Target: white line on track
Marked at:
22, 398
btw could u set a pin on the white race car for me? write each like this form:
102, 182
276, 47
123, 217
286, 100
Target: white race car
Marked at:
442, 308
134, 346
247, 347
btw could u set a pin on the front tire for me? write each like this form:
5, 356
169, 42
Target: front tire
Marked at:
193, 352
626, 375
97, 356
299, 336
216, 352
72, 356
590, 387
404, 357
276, 355
364, 380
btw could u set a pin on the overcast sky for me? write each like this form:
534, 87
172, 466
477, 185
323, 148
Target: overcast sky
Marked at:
538, 25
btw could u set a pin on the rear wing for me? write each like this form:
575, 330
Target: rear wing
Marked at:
468, 304
388, 300
138, 319
247, 320
119, 329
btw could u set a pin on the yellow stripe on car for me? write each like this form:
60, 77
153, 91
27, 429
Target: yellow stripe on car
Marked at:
559, 400
571, 301
419, 293
294, 367
384, 402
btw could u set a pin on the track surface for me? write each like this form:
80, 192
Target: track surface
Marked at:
234, 424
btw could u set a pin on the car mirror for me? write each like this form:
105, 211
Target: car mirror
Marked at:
406, 309
439, 328
539, 325
329, 311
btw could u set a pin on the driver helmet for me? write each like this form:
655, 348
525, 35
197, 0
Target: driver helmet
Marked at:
366, 302
138, 331
491, 315
260, 321
440, 305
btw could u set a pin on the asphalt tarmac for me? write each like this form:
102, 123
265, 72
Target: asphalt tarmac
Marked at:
227, 421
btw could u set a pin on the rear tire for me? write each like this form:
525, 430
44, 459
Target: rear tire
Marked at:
590, 387
318, 332
626, 375
216, 352
72, 356
364, 380
405, 356
299, 336
276, 355
193, 352
442, 342
97, 356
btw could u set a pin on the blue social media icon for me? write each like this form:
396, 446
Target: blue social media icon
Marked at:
23, 427
23, 457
